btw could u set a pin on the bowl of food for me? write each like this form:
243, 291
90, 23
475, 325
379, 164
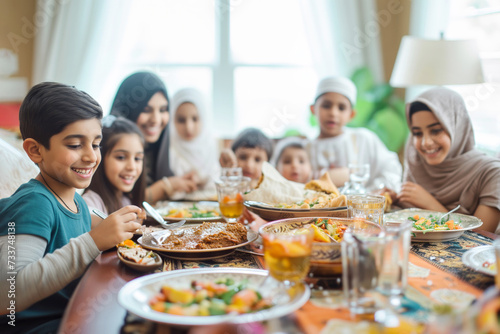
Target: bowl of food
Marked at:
134, 256
326, 256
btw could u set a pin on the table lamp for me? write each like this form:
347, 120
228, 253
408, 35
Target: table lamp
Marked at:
436, 63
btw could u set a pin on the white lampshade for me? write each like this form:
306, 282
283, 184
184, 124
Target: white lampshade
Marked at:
436, 63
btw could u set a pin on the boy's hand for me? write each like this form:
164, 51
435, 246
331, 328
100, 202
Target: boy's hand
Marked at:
339, 175
119, 226
228, 159
392, 193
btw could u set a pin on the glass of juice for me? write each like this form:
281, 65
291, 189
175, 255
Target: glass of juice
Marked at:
287, 254
230, 192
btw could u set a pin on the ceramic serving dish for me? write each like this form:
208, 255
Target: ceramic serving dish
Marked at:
326, 258
268, 212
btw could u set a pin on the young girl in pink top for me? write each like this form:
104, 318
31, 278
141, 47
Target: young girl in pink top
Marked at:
119, 181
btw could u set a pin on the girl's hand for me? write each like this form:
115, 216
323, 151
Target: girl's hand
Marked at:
183, 183
119, 226
418, 197
192, 176
228, 159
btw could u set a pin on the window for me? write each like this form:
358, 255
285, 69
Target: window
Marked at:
249, 59
480, 20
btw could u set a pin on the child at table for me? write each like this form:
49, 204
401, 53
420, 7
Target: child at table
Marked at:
442, 167
249, 151
292, 160
192, 146
45, 222
142, 98
119, 181
338, 145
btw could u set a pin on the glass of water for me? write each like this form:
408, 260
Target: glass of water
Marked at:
359, 174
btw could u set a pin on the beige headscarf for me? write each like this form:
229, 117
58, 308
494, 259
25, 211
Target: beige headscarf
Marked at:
466, 177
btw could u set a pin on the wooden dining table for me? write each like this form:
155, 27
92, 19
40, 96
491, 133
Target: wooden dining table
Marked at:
94, 307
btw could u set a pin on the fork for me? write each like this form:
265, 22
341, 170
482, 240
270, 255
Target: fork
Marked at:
149, 238
440, 220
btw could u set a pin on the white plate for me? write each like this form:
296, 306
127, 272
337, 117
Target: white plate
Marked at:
196, 254
164, 207
475, 258
136, 294
467, 222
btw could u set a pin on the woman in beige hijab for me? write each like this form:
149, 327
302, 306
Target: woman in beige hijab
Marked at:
442, 167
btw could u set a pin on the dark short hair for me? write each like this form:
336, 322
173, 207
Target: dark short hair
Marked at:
417, 106
50, 106
253, 138
113, 129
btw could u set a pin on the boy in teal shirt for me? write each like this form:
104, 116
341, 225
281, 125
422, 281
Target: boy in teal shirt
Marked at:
45, 238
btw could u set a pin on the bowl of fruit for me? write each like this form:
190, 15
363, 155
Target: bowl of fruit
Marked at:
326, 256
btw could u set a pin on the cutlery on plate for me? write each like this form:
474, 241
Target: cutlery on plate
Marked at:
100, 214
440, 220
156, 215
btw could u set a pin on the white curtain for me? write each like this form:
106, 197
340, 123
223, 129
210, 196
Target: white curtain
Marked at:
343, 36
72, 35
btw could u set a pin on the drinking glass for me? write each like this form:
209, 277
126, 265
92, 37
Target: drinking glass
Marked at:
230, 190
359, 174
369, 207
393, 277
362, 257
231, 171
287, 255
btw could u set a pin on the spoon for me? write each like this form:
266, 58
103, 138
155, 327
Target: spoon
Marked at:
156, 215
446, 214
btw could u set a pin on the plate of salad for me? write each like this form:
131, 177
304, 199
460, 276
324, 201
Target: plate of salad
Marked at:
190, 211
208, 296
426, 226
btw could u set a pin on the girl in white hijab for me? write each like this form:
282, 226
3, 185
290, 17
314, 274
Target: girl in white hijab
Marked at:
192, 147
442, 167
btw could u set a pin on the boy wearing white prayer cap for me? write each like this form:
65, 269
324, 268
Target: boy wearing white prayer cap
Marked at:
338, 145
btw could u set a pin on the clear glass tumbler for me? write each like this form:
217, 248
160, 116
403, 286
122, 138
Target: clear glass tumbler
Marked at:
362, 257
230, 192
369, 207
393, 277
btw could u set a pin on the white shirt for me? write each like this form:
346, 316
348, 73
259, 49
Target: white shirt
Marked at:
358, 145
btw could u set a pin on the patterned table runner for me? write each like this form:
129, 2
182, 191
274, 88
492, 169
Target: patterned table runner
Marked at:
447, 256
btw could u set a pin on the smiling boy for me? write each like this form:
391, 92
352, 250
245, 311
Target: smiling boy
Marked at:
249, 151
45, 222
338, 145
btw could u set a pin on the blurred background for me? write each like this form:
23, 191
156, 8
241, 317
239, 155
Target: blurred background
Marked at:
256, 61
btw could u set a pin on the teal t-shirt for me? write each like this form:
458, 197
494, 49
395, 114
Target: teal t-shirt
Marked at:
35, 210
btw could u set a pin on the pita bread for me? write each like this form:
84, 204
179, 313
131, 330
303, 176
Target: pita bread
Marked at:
275, 189
324, 184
